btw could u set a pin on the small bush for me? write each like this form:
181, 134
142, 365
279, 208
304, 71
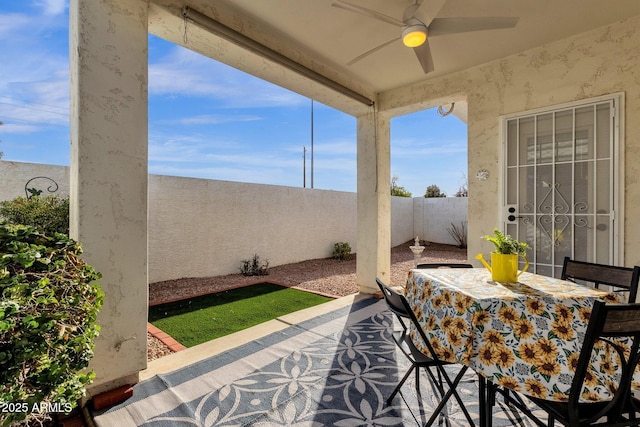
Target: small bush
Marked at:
253, 267
50, 214
48, 308
341, 251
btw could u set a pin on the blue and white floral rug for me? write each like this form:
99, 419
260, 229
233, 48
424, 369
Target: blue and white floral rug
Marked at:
334, 370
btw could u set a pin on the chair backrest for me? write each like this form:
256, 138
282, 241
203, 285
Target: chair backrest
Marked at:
399, 305
625, 278
609, 321
443, 265
393, 300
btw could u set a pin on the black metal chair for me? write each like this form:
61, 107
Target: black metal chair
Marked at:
443, 265
607, 322
622, 278
398, 304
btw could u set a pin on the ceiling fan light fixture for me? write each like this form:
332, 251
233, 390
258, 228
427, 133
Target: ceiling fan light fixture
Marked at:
414, 35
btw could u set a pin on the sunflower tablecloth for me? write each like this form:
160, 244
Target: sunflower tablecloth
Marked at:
524, 336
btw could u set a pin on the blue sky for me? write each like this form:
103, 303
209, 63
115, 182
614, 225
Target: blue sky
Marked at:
207, 120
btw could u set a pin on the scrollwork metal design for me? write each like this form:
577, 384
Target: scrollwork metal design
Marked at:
33, 191
560, 205
559, 226
581, 207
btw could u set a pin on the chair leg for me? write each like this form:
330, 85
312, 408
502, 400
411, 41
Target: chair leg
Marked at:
512, 399
397, 389
485, 408
436, 385
459, 399
447, 395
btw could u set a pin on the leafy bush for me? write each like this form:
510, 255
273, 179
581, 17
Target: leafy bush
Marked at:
253, 267
341, 251
50, 213
48, 308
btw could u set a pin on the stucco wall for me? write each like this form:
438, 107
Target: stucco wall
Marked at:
203, 227
14, 177
602, 61
401, 220
200, 227
433, 216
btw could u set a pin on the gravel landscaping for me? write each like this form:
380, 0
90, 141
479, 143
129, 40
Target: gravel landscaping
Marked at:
326, 275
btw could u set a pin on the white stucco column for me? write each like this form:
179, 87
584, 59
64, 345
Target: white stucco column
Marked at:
374, 202
108, 177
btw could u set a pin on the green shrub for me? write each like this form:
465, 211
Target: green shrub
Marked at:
341, 251
253, 267
48, 307
49, 213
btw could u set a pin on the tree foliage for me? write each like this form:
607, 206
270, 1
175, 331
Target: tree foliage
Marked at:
434, 191
48, 308
50, 214
397, 190
463, 190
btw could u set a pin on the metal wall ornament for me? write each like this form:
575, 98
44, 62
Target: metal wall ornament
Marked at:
482, 175
33, 191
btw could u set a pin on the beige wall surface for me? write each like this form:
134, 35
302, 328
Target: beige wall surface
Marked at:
401, 220
600, 62
204, 228
16, 175
434, 216
200, 227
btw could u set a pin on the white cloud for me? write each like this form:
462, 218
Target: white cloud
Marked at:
18, 128
187, 73
12, 24
34, 89
53, 7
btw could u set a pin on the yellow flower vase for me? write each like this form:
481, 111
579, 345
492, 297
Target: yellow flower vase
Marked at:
504, 267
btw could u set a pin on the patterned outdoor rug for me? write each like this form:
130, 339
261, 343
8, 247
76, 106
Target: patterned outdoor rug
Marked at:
334, 370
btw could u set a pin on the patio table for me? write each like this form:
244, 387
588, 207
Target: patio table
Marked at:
523, 336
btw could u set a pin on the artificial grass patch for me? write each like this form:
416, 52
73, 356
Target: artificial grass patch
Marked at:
201, 319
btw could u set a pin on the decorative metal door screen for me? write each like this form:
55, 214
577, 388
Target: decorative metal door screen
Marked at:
560, 184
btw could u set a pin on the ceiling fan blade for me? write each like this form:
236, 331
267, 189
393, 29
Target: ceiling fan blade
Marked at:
423, 53
444, 26
370, 51
367, 12
428, 10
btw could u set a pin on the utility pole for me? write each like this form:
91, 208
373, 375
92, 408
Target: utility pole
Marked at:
304, 167
312, 143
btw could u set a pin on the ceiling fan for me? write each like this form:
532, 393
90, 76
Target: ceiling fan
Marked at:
419, 23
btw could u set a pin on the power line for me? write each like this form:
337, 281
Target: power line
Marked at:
31, 102
32, 122
36, 109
